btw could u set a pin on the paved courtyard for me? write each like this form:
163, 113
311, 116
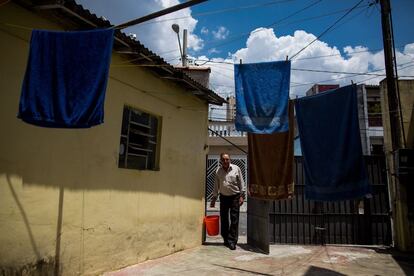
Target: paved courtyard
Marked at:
215, 259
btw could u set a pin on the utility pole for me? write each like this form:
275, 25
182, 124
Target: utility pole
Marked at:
393, 105
185, 48
398, 191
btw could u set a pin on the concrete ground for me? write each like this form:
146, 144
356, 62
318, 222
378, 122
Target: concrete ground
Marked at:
215, 259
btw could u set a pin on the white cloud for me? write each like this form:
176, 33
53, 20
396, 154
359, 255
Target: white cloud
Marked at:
221, 33
156, 34
263, 45
213, 51
204, 30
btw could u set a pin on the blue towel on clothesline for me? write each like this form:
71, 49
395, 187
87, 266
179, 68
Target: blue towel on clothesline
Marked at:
262, 95
66, 78
331, 145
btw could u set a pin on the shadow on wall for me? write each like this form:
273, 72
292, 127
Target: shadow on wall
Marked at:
24, 217
84, 160
43, 265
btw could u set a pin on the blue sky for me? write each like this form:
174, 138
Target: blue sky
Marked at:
223, 31
362, 27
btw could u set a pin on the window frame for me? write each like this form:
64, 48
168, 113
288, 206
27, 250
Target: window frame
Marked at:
139, 144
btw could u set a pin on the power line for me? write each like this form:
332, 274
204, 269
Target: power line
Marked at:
235, 38
343, 73
319, 71
384, 69
220, 11
327, 30
352, 76
313, 57
336, 79
254, 6
320, 16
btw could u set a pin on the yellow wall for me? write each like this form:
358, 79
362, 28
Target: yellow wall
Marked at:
403, 228
62, 195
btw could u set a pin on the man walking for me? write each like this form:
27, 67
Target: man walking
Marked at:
230, 184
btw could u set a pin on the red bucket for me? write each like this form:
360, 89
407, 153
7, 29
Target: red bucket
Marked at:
212, 225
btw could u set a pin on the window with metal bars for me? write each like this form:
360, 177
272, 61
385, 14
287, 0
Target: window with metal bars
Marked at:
139, 147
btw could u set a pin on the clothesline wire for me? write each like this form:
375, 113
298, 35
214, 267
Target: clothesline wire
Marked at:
333, 72
307, 58
28, 28
376, 115
219, 11
369, 73
118, 52
206, 61
310, 70
327, 30
314, 57
314, 70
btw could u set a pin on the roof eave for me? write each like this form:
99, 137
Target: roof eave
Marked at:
78, 17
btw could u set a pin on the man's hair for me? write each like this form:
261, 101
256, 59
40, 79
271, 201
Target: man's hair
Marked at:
223, 153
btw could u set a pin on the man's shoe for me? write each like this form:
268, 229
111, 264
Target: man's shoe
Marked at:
232, 246
226, 243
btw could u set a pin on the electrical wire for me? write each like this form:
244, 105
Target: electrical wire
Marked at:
238, 37
319, 16
307, 58
327, 30
343, 73
324, 71
175, 50
219, 11
369, 73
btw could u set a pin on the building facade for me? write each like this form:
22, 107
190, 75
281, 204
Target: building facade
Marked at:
401, 185
85, 201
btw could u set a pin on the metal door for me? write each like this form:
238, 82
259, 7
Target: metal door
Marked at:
365, 222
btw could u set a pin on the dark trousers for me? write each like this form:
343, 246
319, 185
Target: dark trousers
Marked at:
229, 204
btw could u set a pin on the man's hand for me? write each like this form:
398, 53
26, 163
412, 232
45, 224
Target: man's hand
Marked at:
241, 200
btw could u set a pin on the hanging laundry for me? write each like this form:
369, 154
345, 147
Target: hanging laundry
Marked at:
66, 77
271, 163
331, 145
262, 94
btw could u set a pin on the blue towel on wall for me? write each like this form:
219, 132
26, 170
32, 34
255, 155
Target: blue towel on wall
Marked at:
331, 145
66, 77
262, 95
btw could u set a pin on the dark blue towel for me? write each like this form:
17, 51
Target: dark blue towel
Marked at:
66, 77
331, 145
262, 95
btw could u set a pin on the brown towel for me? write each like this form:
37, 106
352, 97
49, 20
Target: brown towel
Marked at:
271, 163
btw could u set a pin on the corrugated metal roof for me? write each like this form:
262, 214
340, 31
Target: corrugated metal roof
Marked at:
72, 16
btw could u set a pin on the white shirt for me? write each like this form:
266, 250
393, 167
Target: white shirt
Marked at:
229, 182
